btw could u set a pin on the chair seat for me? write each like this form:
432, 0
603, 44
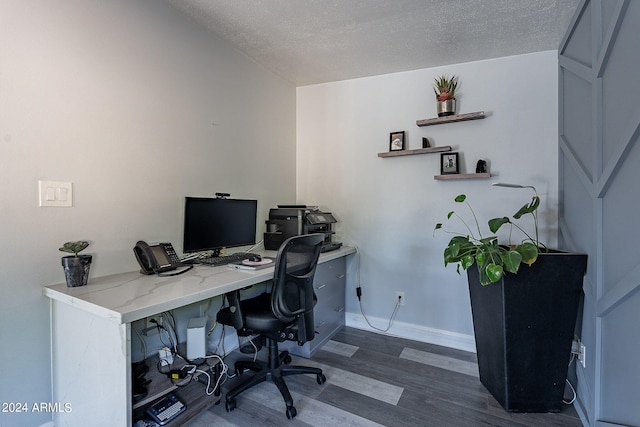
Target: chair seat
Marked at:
259, 316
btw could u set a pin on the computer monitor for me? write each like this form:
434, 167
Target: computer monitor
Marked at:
211, 224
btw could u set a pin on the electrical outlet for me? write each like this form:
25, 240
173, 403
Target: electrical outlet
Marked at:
154, 321
575, 346
582, 353
400, 297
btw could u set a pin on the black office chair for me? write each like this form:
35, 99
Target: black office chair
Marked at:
286, 313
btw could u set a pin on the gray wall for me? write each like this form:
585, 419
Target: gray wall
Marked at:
388, 207
599, 174
138, 107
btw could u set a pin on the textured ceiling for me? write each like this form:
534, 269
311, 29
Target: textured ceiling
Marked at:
318, 41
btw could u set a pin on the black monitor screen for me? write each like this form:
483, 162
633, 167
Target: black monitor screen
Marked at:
218, 223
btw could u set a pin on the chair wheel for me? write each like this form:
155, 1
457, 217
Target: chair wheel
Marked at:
287, 360
230, 405
291, 412
321, 379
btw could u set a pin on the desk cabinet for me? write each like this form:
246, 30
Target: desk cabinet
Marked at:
329, 284
91, 330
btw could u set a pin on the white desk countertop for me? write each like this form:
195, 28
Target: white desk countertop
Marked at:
126, 297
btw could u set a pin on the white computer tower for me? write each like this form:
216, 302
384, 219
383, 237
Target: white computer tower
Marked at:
196, 338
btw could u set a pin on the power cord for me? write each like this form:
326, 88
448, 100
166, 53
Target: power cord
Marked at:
359, 295
213, 320
573, 390
249, 340
575, 395
222, 377
181, 377
254, 246
142, 342
171, 344
391, 318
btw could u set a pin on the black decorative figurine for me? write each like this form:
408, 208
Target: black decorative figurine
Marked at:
481, 166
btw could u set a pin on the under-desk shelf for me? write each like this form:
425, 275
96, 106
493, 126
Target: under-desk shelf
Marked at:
192, 392
450, 119
463, 176
427, 150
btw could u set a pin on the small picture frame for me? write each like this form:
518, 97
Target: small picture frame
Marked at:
396, 141
449, 163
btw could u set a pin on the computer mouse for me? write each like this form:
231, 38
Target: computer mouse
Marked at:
255, 258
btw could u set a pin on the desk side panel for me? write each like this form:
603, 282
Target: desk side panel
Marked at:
91, 367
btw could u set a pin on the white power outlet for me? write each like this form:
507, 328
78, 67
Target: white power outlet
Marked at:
575, 346
152, 324
400, 297
582, 353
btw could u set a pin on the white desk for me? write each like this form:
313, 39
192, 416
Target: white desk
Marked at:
91, 332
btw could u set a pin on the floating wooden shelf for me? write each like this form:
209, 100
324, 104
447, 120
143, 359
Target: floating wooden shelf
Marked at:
416, 151
451, 119
463, 176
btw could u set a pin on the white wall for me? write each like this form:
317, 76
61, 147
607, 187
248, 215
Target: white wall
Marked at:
138, 107
388, 207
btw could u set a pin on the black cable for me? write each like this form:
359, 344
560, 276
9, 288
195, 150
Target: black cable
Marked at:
160, 365
161, 328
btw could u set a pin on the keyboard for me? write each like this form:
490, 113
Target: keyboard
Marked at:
224, 260
166, 409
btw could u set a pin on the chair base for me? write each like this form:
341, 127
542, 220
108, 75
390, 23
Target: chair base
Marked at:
275, 370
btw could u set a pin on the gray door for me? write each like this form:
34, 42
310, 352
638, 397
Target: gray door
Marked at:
599, 95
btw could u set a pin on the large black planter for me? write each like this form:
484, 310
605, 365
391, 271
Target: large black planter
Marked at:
524, 326
76, 269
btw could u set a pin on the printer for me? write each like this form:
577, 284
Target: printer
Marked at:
293, 220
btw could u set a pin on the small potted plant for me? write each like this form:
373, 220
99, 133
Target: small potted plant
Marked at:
445, 90
76, 267
524, 304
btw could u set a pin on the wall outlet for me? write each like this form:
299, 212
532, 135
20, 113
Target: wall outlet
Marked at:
582, 352
154, 321
151, 327
579, 350
400, 296
575, 346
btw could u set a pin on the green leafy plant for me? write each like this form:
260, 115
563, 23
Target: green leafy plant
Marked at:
445, 87
74, 247
492, 258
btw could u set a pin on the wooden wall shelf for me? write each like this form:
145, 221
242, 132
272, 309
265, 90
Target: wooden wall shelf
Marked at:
463, 176
428, 150
450, 119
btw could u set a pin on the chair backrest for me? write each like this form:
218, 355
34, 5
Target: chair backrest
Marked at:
292, 296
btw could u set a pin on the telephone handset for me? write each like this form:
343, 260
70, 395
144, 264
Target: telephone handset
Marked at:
158, 258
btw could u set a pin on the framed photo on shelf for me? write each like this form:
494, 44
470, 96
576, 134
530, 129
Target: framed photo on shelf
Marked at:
396, 141
449, 163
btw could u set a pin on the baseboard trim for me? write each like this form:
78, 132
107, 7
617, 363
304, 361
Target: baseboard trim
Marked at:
414, 332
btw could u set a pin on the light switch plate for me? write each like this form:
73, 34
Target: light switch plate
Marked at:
55, 193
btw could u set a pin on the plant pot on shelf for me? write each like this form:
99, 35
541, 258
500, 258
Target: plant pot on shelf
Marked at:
524, 326
76, 269
446, 108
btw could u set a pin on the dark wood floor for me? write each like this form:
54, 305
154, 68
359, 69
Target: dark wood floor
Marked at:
374, 380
